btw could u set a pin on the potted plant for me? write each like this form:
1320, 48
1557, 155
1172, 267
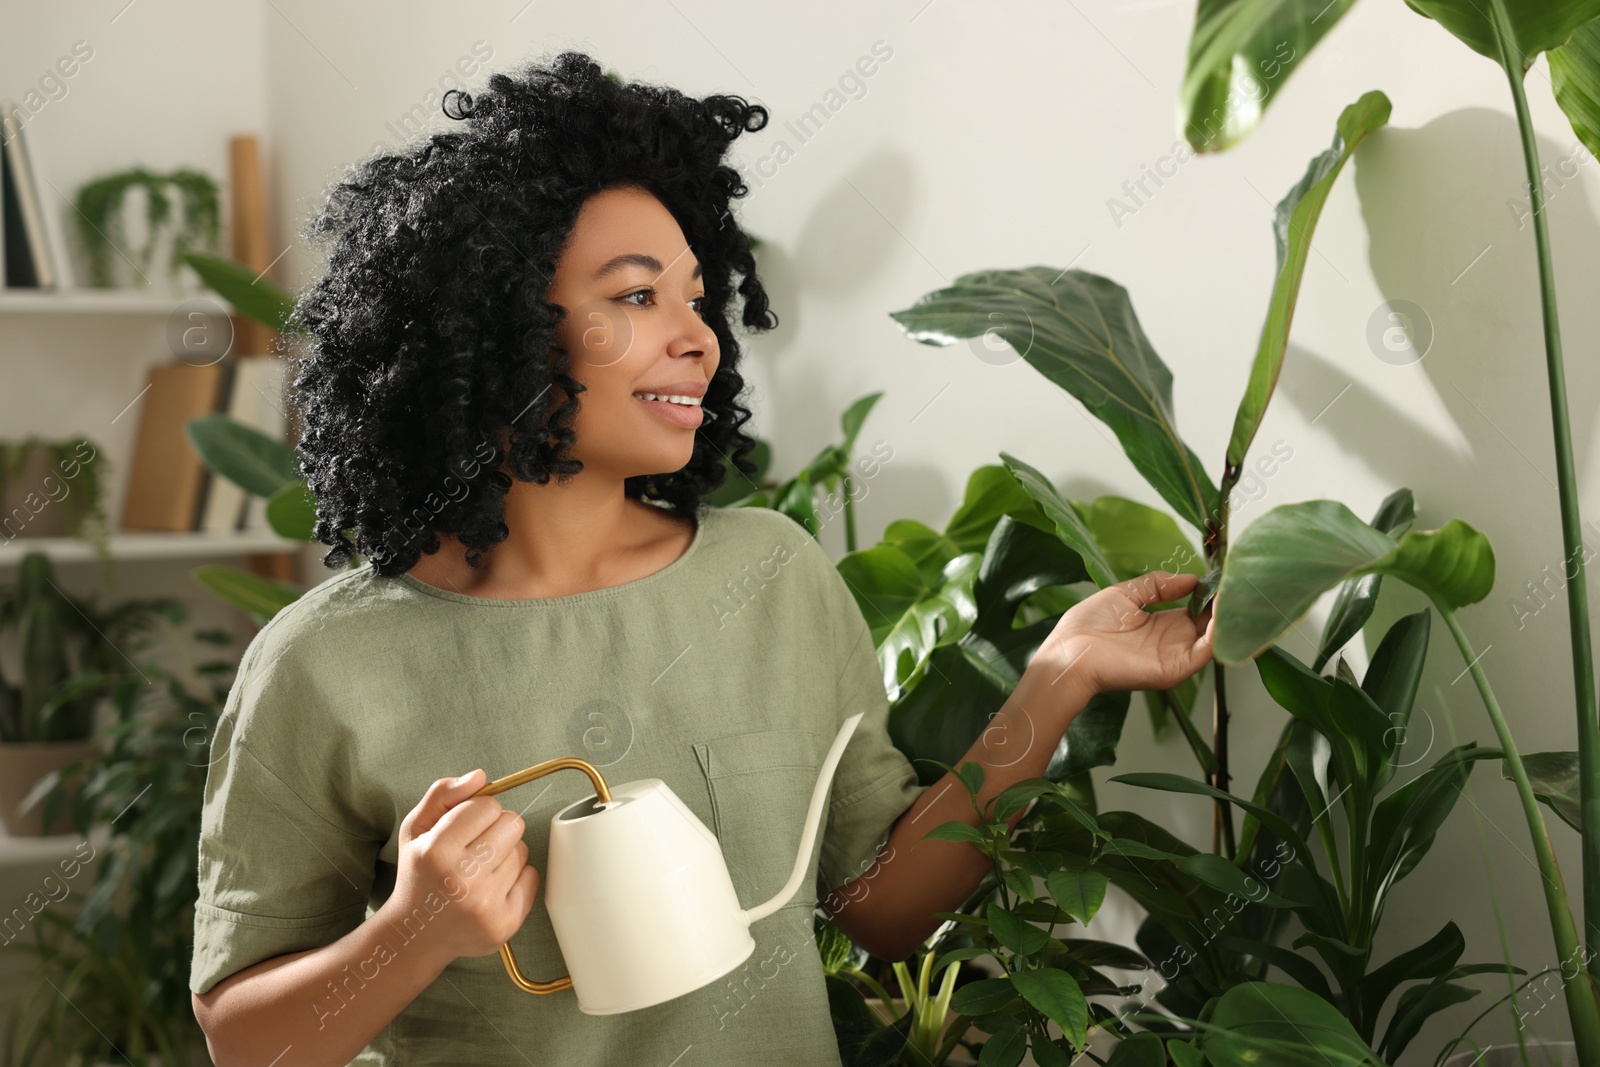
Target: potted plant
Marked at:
102, 222
53, 488
118, 970
71, 656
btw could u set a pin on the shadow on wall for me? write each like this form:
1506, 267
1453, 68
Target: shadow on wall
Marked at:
1452, 250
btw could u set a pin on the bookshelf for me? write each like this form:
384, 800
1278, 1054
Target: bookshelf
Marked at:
91, 302
150, 546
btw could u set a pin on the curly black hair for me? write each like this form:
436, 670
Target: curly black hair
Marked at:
428, 346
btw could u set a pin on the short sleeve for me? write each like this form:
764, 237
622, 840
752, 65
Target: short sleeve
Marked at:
875, 783
282, 868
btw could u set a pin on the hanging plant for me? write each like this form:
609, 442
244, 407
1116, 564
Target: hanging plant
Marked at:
101, 221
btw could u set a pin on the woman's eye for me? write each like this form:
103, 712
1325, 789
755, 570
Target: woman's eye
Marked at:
641, 292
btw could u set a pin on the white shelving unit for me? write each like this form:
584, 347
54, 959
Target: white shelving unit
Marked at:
149, 546
94, 301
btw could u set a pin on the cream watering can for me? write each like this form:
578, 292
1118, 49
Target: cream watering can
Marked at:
639, 894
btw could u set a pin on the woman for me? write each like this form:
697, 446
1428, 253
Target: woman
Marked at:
547, 293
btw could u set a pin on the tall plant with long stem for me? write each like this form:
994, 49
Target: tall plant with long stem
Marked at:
1238, 54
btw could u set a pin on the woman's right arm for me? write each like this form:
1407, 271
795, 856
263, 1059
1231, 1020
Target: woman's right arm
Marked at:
461, 854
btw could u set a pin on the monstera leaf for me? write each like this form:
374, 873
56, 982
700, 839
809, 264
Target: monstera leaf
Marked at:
1286, 559
1078, 330
970, 677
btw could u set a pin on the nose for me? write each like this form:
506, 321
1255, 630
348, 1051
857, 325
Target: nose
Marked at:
695, 336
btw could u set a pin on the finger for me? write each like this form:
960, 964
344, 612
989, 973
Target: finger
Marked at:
467, 820
442, 795
1158, 587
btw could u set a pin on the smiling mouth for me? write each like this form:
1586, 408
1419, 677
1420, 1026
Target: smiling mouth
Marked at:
683, 412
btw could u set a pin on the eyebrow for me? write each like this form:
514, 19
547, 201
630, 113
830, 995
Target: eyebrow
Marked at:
635, 259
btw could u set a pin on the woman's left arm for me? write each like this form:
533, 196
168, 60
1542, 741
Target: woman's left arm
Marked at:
1106, 643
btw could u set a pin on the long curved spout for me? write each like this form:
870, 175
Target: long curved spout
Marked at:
819, 798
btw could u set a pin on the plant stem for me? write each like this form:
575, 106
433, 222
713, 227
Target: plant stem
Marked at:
1571, 526
1222, 842
1582, 1008
1197, 744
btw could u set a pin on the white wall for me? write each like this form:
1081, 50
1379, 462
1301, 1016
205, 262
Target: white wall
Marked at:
994, 136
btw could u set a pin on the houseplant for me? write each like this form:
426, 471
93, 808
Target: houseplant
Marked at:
1226, 50
54, 488
102, 224
123, 960
71, 657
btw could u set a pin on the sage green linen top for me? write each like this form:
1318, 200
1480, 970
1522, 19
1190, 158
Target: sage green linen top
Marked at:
726, 674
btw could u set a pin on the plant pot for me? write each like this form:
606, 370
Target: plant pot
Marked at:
24, 498
22, 765
1546, 1054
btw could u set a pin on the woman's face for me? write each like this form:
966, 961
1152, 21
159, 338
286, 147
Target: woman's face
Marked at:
633, 295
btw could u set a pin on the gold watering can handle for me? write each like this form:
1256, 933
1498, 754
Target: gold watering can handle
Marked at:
511, 781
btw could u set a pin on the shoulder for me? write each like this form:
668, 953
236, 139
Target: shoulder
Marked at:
764, 532
326, 631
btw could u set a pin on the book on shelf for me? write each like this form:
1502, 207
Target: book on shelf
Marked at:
30, 227
167, 482
255, 398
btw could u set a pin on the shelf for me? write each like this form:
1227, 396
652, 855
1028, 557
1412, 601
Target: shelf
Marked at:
27, 851
95, 301
145, 546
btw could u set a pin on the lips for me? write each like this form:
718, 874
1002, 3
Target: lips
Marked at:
683, 416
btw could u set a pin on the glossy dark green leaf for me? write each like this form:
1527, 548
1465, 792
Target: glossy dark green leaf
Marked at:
1007, 1045
1080, 893
1221, 875
252, 295
1136, 538
984, 995
1058, 995
1392, 680
1184, 1054
1078, 330
1359, 735
1287, 558
1554, 777
1266, 1023
1240, 54
255, 462
1301, 968
992, 491
909, 617
1535, 26
1070, 526
1428, 960
1173, 783
1404, 822
1353, 604
1575, 78
1018, 935
1294, 222
1416, 1006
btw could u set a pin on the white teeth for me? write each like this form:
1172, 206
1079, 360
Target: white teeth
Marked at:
689, 401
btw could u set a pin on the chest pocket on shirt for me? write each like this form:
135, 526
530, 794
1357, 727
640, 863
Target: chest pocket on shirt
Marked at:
760, 785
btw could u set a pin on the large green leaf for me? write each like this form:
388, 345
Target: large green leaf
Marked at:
1069, 524
1536, 25
1353, 604
253, 296
940, 711
1266, 1023
1575, 77
1058, 995
1392, 679
1292, 227
1286, 559
1554, 777
1359, 735
1404, 822
992, 491
1240, 54
1428, 960
260, 597
292, 511
255, 462
1078, 330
